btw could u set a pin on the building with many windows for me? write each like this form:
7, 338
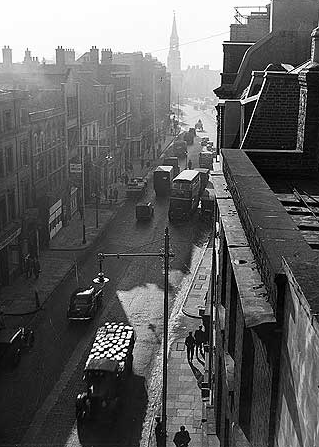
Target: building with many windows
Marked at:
15, 180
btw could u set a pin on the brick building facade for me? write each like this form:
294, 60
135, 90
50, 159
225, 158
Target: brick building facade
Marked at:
15, 180
287, 41
265, 280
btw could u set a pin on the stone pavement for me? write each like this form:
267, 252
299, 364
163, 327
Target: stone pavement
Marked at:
184, 397
56, 262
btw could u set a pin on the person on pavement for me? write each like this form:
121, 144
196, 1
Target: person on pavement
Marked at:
111, 196
190, 164
190, 347
182, 438
159, 432
199, 340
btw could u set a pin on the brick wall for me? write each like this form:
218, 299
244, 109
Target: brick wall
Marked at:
293, 47
261, 395
274, 122
297, 415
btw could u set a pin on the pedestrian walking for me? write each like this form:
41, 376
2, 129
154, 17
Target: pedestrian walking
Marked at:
126, 179
111, 196
115, 194
36, 268
199, 340
190, 347
105, 193
159, 432
28, 266
190, 164
182, 438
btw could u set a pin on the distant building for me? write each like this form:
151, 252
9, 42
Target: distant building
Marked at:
199, 82
150, 102
174, 64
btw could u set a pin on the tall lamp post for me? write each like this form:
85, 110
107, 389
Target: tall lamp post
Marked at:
166, 255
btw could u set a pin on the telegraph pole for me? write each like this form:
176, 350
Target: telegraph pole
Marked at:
166, 255
165, 331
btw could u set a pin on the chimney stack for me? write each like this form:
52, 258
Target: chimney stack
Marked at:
106, 56
7, 56
315, 45
94, 55
60, 56
308, 118
27, 57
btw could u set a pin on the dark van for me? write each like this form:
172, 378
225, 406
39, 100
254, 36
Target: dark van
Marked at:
163, 176
144, 211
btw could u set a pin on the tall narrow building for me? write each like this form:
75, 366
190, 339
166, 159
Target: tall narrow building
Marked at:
174, 64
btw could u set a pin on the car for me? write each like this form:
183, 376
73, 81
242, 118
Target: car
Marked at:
84, 303
144, 211
12, 343
136, 187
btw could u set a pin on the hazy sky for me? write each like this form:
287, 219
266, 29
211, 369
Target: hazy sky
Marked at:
122, 25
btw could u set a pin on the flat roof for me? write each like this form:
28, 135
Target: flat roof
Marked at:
186, 175
166, 168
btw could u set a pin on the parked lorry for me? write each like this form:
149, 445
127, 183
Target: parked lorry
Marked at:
136, 187
206, 159
106, 371
163, 176
172, 161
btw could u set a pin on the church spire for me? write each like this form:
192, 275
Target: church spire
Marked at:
174, 63
174, 57
174, 36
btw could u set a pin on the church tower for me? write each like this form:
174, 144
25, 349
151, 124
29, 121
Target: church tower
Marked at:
174, 63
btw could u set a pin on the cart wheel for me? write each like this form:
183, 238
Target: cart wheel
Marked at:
16, 358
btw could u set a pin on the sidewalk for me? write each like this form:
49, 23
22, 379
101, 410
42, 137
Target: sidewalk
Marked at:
184, 397
56, 262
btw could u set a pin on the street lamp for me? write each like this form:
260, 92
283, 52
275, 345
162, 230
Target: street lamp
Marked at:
166, 255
